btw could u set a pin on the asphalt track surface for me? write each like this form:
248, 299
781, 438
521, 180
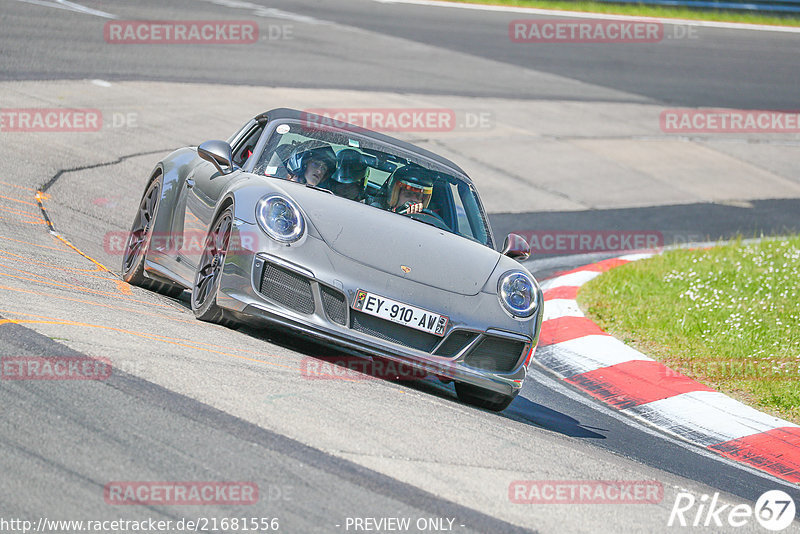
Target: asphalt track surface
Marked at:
708, 67
63, 442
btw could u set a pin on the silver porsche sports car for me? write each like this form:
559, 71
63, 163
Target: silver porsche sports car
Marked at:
349, 236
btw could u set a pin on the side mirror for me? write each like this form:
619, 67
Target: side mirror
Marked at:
219, 153
516, 247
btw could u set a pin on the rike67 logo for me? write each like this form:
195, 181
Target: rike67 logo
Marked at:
774, 510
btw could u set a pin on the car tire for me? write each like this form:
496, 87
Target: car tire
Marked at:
138, 243
209, 272
483, 398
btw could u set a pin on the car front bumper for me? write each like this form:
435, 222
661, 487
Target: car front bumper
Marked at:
478, 318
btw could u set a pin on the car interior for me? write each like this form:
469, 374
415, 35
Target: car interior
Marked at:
452, 200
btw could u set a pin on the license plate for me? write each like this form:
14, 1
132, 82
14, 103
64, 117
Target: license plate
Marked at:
400, 313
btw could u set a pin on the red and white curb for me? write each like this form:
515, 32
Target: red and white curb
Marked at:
577, 350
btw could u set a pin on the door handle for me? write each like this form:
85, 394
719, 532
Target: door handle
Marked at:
189, 183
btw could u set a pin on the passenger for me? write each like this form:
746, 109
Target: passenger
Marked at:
350, 178
409, 191
311, 162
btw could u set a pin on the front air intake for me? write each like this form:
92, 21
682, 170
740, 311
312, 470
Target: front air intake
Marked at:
496, 354
287, 288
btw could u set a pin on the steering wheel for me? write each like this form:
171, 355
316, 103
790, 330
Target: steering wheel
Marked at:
431, 217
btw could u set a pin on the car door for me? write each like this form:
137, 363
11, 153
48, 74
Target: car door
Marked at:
203, 189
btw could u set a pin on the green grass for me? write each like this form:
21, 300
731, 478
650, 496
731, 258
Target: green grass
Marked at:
641, 10
728, 317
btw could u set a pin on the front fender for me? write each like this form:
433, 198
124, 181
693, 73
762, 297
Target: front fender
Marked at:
174, 169
244, 195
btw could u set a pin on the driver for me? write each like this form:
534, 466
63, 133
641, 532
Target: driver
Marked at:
311, 162
409, 190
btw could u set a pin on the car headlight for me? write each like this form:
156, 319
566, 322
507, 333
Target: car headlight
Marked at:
517, 293
280, 218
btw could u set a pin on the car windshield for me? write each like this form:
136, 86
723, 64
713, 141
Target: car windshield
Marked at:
385, 176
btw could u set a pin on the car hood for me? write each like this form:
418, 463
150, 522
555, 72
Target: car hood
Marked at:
388, 242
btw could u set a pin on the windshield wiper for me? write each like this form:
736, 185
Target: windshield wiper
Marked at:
319, 188
423, 222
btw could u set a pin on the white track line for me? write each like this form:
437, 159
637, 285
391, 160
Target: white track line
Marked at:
602, 16
637, 256
267, 12
567, 280
70, 6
